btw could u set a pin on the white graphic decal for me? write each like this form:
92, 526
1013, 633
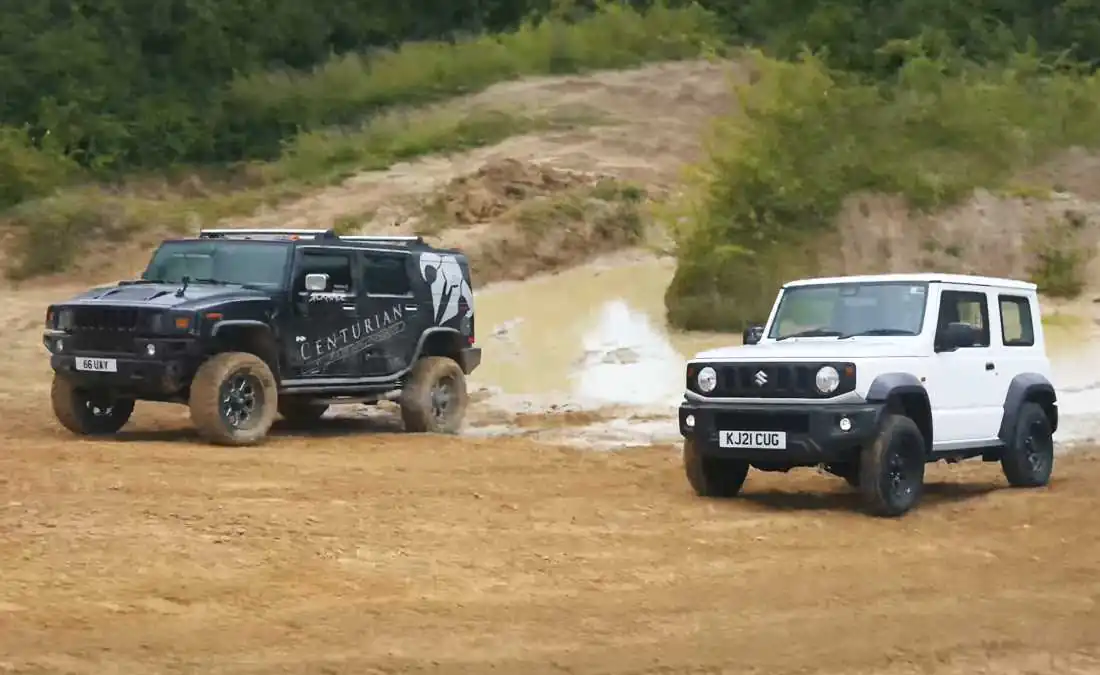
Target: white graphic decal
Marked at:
448, 279
351, 340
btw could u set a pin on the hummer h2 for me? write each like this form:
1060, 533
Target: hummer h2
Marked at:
243, 324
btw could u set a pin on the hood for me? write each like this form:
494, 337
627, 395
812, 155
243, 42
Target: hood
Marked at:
197, 295
818, 349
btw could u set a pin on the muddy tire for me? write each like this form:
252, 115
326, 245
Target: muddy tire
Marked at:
891, 476
88, 412
234, 399
1028, 460
435, 398
300, 412
713, 476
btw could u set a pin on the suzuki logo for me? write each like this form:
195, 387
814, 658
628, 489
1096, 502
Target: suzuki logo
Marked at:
761, 378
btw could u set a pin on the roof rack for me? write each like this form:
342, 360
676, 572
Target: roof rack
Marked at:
264, 232
277, 233
384, 239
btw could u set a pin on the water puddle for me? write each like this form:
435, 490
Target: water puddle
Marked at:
594, 338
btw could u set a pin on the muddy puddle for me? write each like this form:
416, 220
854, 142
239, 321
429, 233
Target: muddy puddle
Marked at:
585, 357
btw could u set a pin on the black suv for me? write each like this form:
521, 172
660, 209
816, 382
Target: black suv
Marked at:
243, 324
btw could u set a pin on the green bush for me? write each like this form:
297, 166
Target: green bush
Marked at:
778, 172
27, 172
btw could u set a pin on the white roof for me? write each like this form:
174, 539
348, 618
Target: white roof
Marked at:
928, 277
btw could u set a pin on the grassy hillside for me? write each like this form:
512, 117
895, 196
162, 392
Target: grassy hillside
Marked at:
54, 211
789, 188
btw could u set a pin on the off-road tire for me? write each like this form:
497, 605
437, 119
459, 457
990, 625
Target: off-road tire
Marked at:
210, 389
300, 412
420, 396
713, 476
1028, 459
891, 476
75, 409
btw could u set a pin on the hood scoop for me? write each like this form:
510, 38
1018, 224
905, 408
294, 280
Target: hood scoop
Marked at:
138, 293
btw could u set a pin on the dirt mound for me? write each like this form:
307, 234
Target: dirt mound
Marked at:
500, 185
1050, 238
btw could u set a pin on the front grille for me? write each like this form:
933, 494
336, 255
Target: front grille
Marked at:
772, 380
107, 329
111, 319
792, 422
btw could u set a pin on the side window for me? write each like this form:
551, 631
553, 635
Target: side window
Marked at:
1016, 327
336, 265
384, 274
964, 307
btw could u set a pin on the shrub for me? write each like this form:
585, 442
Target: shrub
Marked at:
778, 172
27, 172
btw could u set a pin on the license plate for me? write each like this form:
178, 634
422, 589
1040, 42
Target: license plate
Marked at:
93, 365
764, 440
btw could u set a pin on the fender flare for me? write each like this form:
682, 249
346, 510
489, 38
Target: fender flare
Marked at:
1026, 387
231, 323
888, 386
891, 384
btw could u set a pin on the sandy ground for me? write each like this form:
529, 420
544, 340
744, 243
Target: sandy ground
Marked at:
354, 551
358, 549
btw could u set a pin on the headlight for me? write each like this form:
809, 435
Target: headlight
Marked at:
171, 323
827, 379
65, 319
707, 380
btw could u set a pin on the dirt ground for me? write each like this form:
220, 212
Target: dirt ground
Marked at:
356, 550
359, 550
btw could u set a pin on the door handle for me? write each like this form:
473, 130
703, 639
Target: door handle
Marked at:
348, 308
989, 365
411, 308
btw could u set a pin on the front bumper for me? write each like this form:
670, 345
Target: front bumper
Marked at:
814, 433
164, 373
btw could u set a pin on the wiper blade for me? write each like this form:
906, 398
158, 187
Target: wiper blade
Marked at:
876, 331
219, 282
813, 332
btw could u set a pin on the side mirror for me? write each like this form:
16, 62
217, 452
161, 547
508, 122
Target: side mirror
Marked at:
316, 283
752, 334
957, 335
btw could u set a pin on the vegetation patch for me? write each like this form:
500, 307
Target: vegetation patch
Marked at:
764, 205
542, 218
51, 232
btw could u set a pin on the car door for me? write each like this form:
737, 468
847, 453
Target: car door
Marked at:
322, 325
962, 382
391, 319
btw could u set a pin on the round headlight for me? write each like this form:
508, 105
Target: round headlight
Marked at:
707, 380
827, 380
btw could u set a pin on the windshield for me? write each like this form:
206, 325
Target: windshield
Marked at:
850, 309
252, 263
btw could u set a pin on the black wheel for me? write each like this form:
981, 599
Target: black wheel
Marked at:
300, 412
713, 476
891, 476
88, 412
435, 398
233, 399
1029, 459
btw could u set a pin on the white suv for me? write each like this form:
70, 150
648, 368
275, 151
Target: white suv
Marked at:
873, 377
